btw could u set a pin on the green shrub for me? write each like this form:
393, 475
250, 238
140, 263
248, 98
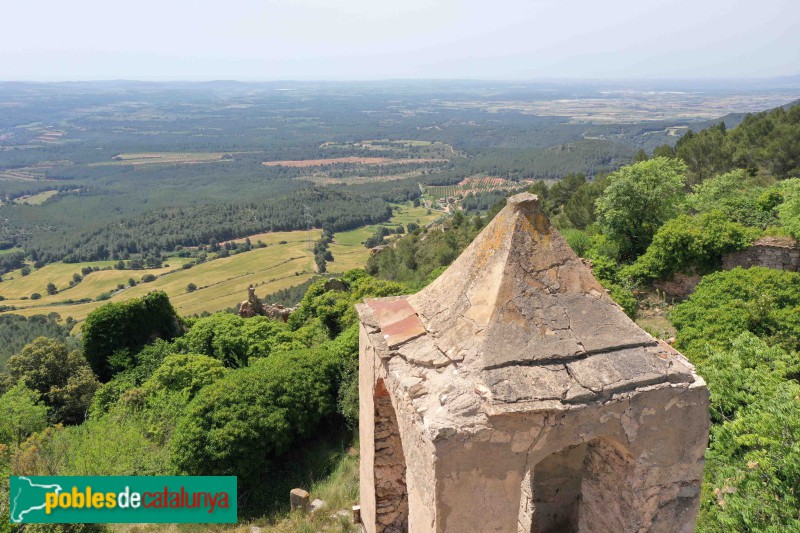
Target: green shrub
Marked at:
127, 326
142, 366
240, 423
345, 349
114, 444
737, 196
62, 378
691, 245
578, 240
334, 309
185, 374
789, 209
21, 413
738, 376
752, 471
762, 301
233, 339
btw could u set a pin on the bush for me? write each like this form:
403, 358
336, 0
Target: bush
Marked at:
735, 195
62, 378
21, 413
789, 209
126, 326
143, 365
115, 444
691, 245
147, 278
232, 339
578, 240
753, 467
185, 374
762, 301
36, 296
240, 423
334, 309
738, 376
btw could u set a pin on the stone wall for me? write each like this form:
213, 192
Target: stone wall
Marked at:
779, 253
391, 497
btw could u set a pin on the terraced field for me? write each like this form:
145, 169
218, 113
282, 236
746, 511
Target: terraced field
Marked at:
221, 283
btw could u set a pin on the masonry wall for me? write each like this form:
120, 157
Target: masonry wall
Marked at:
391, 496
776, 257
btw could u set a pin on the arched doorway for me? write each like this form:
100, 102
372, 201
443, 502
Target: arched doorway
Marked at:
391, 496
586, 487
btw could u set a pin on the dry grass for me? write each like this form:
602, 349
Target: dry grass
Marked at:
339, 491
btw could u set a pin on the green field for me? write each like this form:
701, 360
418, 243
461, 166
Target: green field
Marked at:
163, 158
348, 249
221, 283
36, 199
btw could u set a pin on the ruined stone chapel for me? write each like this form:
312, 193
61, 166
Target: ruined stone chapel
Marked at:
513, 395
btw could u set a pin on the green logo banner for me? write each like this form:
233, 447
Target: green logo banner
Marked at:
123, 499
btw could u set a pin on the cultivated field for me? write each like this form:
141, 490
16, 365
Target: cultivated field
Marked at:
348, 250
476, 184
221, 283
163, 158
36, 199
351, 160
406, 146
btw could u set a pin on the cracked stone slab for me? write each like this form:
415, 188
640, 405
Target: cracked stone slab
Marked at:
422, 351
626, 369
525, 383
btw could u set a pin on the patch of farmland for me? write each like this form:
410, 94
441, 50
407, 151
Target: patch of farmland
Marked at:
36, 199
474, 184
351, 160
163, 158
221, 283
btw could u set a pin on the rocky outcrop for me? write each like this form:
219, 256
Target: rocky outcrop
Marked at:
253, 307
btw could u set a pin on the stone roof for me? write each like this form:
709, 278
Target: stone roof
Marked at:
518, 318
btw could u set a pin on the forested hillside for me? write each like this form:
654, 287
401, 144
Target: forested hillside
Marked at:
107, 171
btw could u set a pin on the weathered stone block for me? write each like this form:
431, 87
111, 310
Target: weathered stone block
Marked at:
299, 500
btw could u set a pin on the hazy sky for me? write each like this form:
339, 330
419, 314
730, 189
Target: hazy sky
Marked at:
376, 39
